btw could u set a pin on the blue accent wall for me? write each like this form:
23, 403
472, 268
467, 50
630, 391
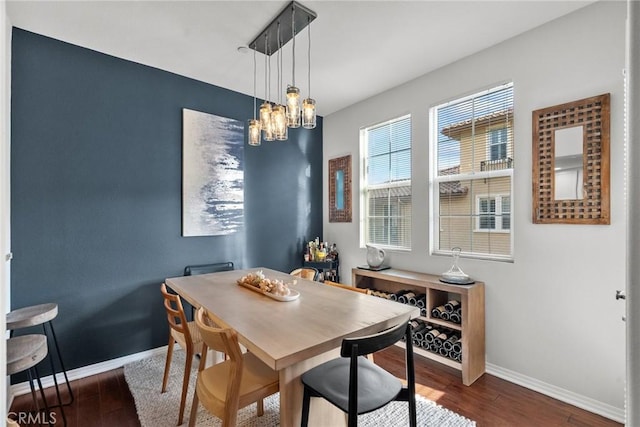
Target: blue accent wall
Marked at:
96, 176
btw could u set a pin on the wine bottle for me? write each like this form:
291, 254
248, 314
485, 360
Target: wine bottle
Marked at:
423, 312
440, 339
431, 335
436, 313
454, 317
414, 299
452, 305
404, 299
421, 300
448, 344
457, 346
421, 334
443, 352
398, 295
421, 326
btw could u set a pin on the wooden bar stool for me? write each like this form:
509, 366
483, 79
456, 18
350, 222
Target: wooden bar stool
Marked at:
35, 315
23, 354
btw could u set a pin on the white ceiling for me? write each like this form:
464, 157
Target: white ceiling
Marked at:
359, 48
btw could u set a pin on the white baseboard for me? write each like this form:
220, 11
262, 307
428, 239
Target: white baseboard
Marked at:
583, 402
85, 371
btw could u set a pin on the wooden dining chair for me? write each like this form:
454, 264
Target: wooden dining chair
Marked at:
308, 273
347, 287
187, 335
356, 385
226, 387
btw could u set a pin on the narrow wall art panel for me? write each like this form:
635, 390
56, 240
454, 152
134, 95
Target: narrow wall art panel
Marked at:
212, 174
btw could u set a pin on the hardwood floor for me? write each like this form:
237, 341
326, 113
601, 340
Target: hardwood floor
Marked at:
104, 400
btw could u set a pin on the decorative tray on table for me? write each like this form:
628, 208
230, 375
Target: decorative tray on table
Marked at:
273, 288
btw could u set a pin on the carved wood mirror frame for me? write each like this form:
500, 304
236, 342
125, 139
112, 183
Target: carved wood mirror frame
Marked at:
340, 189
592, 114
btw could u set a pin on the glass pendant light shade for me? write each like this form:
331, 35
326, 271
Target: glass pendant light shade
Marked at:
254, 132
265, 121
293, 107
279, 122
309, 113
265, 114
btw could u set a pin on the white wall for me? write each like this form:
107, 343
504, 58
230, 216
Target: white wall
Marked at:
551, 318
5, 64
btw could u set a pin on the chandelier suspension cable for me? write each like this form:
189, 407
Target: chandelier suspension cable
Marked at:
279, 67
254, 127
254, 82
266, 75
293, 37
309, 57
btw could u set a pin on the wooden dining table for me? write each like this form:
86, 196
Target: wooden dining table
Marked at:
292, 336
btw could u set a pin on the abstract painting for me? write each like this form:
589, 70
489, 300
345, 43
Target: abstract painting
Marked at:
212, 174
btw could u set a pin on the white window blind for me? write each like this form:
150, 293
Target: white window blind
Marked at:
386, 189
472, 146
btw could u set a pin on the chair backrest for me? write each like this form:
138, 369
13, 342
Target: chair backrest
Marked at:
193, 270
347, 287
360, 346
218, 336
356, 347
175, 313
308, 273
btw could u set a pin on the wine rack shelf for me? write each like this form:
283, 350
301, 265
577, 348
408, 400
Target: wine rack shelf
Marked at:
471, 312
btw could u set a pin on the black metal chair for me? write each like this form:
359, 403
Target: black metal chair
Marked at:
193, 270
355, 384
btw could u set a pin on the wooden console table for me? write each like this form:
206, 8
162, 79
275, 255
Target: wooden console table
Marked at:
471, 297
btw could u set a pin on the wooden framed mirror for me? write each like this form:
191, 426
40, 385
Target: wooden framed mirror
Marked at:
340, 189
571, 162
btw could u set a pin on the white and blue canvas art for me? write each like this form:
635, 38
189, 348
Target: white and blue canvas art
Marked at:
212, 174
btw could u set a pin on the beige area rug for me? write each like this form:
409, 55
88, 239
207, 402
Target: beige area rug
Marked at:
157, 409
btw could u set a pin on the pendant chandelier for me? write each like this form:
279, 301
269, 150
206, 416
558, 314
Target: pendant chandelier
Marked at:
274, 118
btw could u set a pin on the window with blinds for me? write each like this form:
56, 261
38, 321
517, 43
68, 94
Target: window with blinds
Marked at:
472, 148
386, 184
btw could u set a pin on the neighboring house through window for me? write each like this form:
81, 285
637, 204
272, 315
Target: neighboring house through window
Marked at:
386, 184
472, 151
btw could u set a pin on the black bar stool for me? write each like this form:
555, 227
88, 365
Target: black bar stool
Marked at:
35, 315
23, 354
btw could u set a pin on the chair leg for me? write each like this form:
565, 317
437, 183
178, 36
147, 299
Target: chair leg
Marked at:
185, 385
412, 411
260, 407
304, 422
167, 364
47, 411
194, 409
64, 370
55, 382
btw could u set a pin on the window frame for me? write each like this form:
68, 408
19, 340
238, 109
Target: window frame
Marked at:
498, 216
435, 180
365, 187
490, 143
